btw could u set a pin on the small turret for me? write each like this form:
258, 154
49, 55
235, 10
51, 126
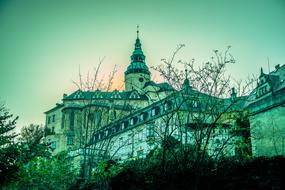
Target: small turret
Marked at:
186, 84
261, 71
233, 94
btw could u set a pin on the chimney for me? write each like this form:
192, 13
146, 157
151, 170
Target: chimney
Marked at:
277, 67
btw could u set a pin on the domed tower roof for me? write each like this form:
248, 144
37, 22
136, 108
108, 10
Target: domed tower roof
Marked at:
137, 59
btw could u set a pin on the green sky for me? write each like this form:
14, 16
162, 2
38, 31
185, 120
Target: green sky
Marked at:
42, 43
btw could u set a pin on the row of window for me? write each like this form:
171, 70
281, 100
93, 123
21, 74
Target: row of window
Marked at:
138, 137
132, 121
115, 95
70, 141
91, 118
262, 90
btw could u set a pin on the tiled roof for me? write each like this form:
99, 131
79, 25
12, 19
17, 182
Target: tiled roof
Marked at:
101, 104
57, 106
97, 94
163, 86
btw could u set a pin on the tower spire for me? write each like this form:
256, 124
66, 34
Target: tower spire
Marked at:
138, 31
138, 58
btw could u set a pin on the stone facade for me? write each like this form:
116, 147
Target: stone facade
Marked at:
267, 114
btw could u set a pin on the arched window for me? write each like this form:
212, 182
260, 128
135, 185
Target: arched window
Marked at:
144, 116
133, 120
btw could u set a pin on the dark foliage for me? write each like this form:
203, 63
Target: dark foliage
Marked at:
31, 142
259, 173
9, 151
16, 152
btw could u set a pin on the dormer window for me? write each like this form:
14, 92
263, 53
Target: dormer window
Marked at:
262, 90
134, 95
78, 95
116, 94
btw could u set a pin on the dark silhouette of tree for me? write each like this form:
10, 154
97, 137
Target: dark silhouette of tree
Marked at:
32, 144
9, 151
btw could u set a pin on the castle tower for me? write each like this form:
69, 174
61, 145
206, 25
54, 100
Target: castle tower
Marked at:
137, 73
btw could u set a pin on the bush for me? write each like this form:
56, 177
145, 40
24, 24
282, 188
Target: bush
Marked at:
47, 173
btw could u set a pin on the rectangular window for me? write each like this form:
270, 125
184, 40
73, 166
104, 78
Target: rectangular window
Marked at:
132, 121
129, 138
62, 120
91, 117
153, 112
48, 119
53, 118
69, 140
150, 131
98, 118
140, 136
123, 125
71, 119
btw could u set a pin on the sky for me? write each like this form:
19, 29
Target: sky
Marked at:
43, 43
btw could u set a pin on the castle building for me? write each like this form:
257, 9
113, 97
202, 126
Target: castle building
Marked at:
129, 124
68, 122
267, 113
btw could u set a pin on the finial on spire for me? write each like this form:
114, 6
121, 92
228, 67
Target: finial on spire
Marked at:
138, 31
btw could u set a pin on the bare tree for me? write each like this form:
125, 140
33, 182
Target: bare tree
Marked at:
206, 108
97, 112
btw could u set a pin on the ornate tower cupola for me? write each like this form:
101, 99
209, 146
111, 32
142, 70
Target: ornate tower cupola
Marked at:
137, 73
